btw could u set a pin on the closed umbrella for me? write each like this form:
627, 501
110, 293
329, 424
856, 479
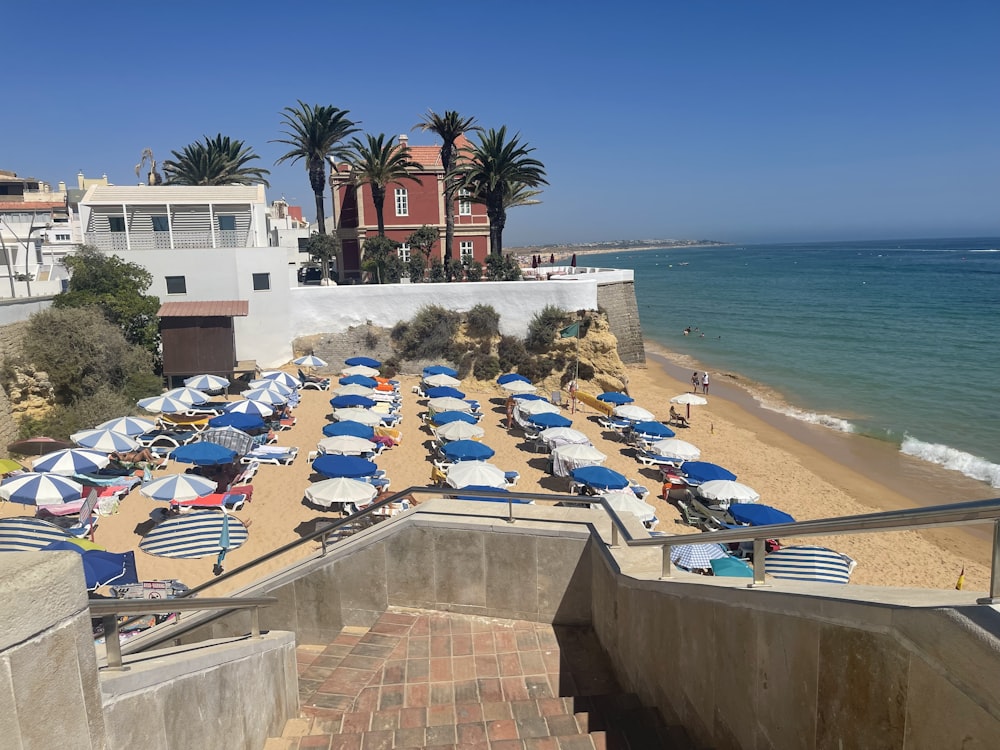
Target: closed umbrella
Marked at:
340, 490
355, 390
518, 386
257, 408
163, 405
345, 445
187, 395
652, 430
33, 488
727, 491
696, 556
444, 391
368, 372
350, 402
203, 454
441, 380
71, 461
676, 448
449, 403
310, 360
178, 487
758, 514
282, 377
460, 431
196, 534
359, 380
447, 417
440, 370
265, 396
549, 419
106, 441
599, 478
627, 502
479, 473
364, 416
344, 466
614, 397
809, 563
131, 426
467, 450
100, 567
26, 534
207, 382
703, 471
364, 361
634, 413
348, 427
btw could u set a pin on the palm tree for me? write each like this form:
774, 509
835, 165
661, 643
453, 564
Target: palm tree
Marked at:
449, 127
380, 163
313, 133
496, 169
521, 195
216, 161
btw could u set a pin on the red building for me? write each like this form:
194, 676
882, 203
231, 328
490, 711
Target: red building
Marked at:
408, 206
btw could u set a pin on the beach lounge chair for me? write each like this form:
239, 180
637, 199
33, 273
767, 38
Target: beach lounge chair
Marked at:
647, 458
712, 519
677, 419
511, 477
314, 382
689, 516
166, 438
271, 454
233, 500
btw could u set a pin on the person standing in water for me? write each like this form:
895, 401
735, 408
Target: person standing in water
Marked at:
694, 382
704, 382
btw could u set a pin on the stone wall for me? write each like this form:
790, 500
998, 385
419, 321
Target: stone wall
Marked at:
618, 301
10, 345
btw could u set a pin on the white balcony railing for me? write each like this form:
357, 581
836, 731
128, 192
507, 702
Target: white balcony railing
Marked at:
116, 241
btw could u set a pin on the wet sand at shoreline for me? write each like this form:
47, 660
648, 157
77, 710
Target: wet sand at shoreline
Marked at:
799, 474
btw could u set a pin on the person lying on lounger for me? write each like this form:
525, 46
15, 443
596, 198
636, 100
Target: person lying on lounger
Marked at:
676, 417
130, 458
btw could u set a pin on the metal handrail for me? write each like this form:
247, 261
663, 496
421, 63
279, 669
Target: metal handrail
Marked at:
956, 514
109, 610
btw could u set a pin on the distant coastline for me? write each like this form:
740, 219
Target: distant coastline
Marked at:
616, 246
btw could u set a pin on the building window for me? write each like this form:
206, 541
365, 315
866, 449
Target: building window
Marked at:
62, 237
402, 202
176, 285
160, 224
227, 223
465, 250
464, 204
116, 223
261, 282
403, 251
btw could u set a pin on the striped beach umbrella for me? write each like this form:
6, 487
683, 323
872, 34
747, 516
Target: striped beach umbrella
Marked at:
257, 408
207, 382
40, 489
163, 405
131, 426
187, 395
282, 377
27, 534
71, 461
265, 396
178, 487
310, 360
196, 534
106, 441
809, 563
270, 385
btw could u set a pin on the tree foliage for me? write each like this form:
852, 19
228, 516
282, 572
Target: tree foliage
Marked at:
117, 288
215, 161
323, 248
502, 268
482, 322
544, 327
430, 334
475, 271
381, 260
379, 163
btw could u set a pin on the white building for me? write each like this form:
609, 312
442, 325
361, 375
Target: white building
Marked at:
201, 244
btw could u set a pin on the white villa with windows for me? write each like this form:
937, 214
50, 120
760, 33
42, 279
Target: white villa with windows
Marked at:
201, 244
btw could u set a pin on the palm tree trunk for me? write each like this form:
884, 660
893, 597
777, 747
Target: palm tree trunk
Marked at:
378, 197
320, 218
449, 224
497, 217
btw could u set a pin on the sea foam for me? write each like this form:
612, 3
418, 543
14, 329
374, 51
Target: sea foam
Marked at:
823, 420
951, 458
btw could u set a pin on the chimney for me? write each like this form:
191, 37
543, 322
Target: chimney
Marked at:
404, 140
62, 186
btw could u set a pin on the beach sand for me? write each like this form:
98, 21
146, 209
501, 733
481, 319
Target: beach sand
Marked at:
789, 473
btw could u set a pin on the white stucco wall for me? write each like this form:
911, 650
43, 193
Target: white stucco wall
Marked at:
316, 309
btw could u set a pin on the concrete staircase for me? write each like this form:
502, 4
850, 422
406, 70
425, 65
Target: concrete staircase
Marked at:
429, 679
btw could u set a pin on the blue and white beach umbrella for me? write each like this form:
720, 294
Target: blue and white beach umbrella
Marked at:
362, 361
40, 489
264, 384
187, 395
207, 382
265, 396
310, 360
163, 405
809, 563
178, 487
26, 534
282, 377
71, 461
696, 556
257, 408
131, 426
196, 534
106, 441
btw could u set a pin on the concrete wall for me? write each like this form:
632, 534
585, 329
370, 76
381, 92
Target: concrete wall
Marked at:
49, 691
19, 310
316, 309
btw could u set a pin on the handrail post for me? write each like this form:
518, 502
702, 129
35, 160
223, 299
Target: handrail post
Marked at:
666, 571
615, 541
510, 509
112, 643
255, 622
759, 550
994, 596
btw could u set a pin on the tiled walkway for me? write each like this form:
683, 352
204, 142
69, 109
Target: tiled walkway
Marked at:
431, 679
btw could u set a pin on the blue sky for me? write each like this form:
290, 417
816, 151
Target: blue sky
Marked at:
731, 120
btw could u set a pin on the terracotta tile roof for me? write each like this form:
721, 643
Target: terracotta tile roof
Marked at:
230, 308
31, 205
427, 156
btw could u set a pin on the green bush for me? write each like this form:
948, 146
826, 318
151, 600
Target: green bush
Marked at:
416, 267
430, 334
455, 270
465, 363
390, 368
494, 267
511, 353
399, 331
544, 327
536, 368
437, 275
486, 368
482, 322
475, 271
511, 269
65, 419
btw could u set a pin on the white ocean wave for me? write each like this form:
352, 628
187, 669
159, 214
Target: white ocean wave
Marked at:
823, 420
951, 458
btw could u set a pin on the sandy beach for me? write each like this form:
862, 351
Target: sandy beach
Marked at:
792, 474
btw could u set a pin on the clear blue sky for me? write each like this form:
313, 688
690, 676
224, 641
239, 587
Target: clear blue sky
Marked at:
738, 120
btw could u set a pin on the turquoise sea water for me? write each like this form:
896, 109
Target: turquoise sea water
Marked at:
898, 340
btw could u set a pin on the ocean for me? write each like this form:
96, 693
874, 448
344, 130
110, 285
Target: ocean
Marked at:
896, 340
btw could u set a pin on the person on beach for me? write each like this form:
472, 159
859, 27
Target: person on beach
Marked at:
704, 382
694, 382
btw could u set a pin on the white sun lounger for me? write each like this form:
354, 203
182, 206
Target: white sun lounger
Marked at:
271, 454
